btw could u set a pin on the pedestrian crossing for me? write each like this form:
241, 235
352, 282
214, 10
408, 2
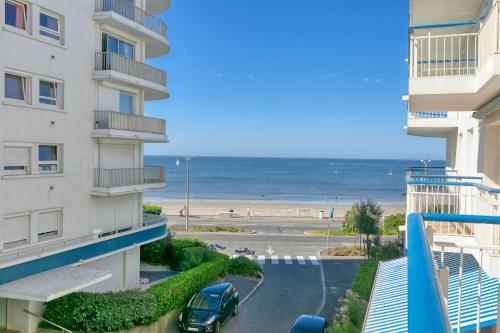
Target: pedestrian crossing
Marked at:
276, 260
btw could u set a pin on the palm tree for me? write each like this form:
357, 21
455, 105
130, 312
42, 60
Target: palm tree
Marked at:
367, 216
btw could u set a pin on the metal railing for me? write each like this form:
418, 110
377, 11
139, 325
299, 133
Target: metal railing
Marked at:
133, 13
108, 178
424, 171
59, 244
40, 318
444, 55
128, 122
109, 61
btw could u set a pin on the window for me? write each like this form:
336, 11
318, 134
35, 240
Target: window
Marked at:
116, 45
15, 230
50, 93
49, 26
49, 225
16, 160
15, 14
47, 158
15, 87
126, 103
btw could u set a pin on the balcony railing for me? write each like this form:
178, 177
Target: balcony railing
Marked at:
128, 122
109, 61
444, 55
133, 13
433, 115
109, 178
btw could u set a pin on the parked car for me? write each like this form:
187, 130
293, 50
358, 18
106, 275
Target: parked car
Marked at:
209, 309
309, 324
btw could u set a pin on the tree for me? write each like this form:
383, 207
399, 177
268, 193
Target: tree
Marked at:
349, 224
367, 217
392, 223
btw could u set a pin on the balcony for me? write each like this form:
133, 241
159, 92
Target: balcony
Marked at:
111, 124
459, 71
432, 124
122, 15
109, 182
122, 70
157, 6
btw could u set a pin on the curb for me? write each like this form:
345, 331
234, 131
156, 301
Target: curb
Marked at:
254, 290
323, 285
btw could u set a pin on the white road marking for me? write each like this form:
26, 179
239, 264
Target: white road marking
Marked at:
262, 260
301, 260
288, 260
235, 256
274, 260
314, 260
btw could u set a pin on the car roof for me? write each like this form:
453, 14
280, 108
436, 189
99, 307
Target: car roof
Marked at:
310, 322
218, 288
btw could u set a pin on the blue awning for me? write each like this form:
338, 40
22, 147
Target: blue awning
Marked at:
388, 309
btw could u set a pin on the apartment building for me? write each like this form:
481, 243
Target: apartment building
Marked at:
448, 279
72, 132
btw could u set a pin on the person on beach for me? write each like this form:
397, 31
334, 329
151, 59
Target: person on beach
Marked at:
331, 214
249, 213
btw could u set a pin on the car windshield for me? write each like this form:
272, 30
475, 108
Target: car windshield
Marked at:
203, 301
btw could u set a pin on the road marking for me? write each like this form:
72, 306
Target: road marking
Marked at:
235, 256
274, 260
249, 256
314, 260
288, 260
301, 260
262, 260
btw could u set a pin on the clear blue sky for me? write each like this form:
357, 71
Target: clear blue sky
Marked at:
315, 78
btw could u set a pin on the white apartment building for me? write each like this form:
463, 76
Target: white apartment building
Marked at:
73, 82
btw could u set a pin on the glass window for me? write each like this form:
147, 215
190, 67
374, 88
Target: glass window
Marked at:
203, 301
126, 103
49, 26
15, 87
47, 158
126, 50
15, 14
115, 45
48, 92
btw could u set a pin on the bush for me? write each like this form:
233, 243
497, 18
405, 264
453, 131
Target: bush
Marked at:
174, 250
244, 267
392, 223
85, 312
152, 253
349, 225
177, 290
351, 315
363, 281
195, 256
387, 251
151, 209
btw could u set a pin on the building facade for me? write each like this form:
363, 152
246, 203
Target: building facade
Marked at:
72, 133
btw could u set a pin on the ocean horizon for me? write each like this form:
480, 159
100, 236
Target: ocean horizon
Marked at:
283, 179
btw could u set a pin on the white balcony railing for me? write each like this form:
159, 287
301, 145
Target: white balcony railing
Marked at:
110, 178
128, 122
133, 13
109, 61
443, 55
489, 35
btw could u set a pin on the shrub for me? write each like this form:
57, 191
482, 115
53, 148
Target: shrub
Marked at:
348, 225
174, 250
177, 290
194, 256
87, 312
351, 315
151, 209
363, 281
152, 253
244, 267
392, 223
387, 251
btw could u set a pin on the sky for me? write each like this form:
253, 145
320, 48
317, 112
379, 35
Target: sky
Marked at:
287, 78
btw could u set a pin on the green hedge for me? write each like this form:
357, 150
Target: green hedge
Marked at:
392, 224
244, 267
151, 209
168, 251
195, 256
86, 312
177, 290
363, 281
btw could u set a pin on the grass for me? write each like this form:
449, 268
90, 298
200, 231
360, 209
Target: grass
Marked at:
343, 251
330, 233
210, 229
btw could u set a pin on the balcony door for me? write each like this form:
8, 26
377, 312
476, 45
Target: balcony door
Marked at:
126, 103
116, 45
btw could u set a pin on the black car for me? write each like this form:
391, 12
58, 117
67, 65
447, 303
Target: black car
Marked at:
309, 324
209, 309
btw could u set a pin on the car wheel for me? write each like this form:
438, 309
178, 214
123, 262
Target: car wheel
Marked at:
217, 327
235, 310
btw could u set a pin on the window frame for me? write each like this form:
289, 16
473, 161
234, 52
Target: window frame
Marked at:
49, 30
56, 162
25, 81
54, 234
118, 40
132, 96
27, 169
25, 6
58, 93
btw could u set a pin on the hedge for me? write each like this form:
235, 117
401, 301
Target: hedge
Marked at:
101, 312
392, 224
177, 290
363, 281
243, 266
151, 209
168, 251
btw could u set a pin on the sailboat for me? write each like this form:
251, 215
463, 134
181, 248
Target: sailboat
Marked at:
390, 172
177, 163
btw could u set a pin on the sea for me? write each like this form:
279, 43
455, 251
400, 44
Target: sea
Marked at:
283, 180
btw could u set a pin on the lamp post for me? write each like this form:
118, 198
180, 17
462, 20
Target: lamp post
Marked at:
188, 159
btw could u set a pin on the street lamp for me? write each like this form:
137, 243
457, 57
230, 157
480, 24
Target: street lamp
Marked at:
188, 159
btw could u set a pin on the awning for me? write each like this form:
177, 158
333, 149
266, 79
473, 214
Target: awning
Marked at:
388, 309
49, 285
